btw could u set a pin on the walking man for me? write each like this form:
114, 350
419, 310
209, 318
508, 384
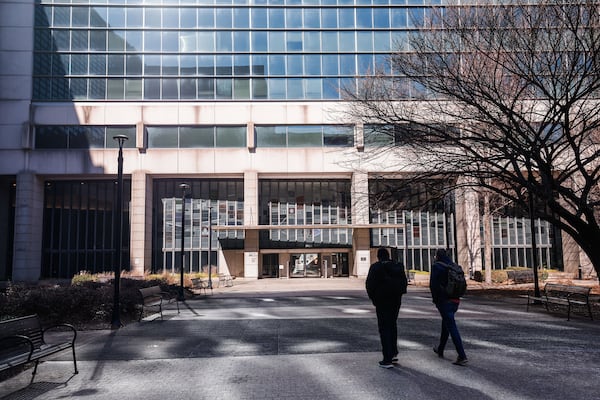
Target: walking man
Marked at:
446, 306
386, 283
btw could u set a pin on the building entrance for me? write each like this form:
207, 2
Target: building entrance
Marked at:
318, 265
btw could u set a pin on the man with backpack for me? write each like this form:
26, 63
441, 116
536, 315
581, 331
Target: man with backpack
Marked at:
447, 284
386, 283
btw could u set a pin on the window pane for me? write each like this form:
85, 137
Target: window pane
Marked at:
294, 41
170, 89
271, 136
151, 89
206, 41
276, 41
259, 41
304, 136
259, 88
190, 137
347, 41
276, 88
115, 89
276, 18
312, 64
259, 18
312, 41
223, 89
338, 136
50, 137
241, 41
234, 136
295, 89
162, 136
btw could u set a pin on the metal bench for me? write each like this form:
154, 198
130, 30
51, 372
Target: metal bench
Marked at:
523, 276
23, 340
564, 295
154, 297
225, 280
201, 284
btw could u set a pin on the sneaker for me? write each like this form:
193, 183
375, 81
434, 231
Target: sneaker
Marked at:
440, 354
386, 365
461, 361
395, 360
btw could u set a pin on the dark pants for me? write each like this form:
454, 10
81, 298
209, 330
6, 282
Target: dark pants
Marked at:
387, 317
447, 310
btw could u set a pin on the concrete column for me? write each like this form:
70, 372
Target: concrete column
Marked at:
361, 243
140, 214
251, 244
29, 213
468, 231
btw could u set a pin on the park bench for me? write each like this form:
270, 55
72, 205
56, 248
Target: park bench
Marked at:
23, 340
564, 295
225, 280
201, 284
525, 276
154, 297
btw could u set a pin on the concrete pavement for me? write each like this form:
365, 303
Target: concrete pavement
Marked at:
317, 339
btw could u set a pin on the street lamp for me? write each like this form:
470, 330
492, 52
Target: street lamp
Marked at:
209, 245
118, 234
184, 187
534, 250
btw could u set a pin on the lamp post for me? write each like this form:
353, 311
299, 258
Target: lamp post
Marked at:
184, 187
209, 245
118, 234
534, 250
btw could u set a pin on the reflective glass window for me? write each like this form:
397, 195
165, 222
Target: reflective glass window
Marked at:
170, 65
416, 17
116, 40
271, 136
294, 41
152, 18
134, 41
364, 18
347, 41
277, 88
187, 65
329, 18
97, 64
231, 136
276, 18
192, 137
152, 41
259, 88
151, 89
223, 88
346, 18
224, 18
224, 65
206, 65
170, 41
80, 17
206, 18
294, 64
134, 65
312, 41
241, 18
115, 89
295, 88
162, 137
312, 64
170, 18
116, 64
133, 89
276, 65
116, 17
241, 88
206, 41
399, 18
135, 18
364, 41
98, 17
241, 41
206, 88
187, 41
330, 41
241, 64
331, 88
293, 18
259, 18
259, 41
62, 16
304, 136
338, 135
50, 137
276, 41
61, 40
188, 18
187, 88
347, 64
97, 89
151, 64
259, 65
381, 18
79, 64
330, 64
365, 64
170, 89
313, 89
312, 19
224, 40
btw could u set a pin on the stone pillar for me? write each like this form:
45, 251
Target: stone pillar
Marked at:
140, 214
251, 244
468, 230
29, 212
361, 243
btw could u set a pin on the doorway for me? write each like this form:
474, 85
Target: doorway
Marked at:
305, 265
270, 266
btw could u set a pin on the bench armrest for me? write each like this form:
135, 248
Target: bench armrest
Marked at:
18, 339
53, 327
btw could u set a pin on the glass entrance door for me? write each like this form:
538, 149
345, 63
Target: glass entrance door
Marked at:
306, 265
270, 266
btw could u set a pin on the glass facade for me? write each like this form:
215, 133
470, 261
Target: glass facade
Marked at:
196, 136
304, 136
214, 50
82, 137
79, 227
222, 199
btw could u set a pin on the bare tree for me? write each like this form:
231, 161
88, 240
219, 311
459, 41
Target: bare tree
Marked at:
504, 96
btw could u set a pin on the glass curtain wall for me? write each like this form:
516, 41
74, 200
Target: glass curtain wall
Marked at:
305, 202
79, 226
208, 50
220, 201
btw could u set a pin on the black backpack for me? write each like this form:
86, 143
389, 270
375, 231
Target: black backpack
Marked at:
396, 282
457, 284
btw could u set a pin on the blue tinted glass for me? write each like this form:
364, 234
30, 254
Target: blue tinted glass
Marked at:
381, 18
98, 40
416, 17
62, 16
276, 88
311, 18
276, 65
241, 88
382, 63
187, 41
170, 41
312, 41
293, 18
347, 41
188, 65
170, 65
241, 18
346, 18
399, 18
134, 65
187, 88
164, 137
152, 18
224, 41
188, 18
223, 88
206, 18
116, 17
382, 41
259, 17
224, 17
80, 16
206, 41
79, 64
365, 64
276, 18
329, 18
347, 64
170, 18
206, 88
270, 136
206, 65
152, 40
331, 88
98, 17
330, 41
116, 64
224, 65
241, 64
241, 41
364, 41
134, 41
364, 18
305, 135
116, 40
330, 64
151, 64
294, 65
294, 41
259, 41
259, 65
294, 88
312, 64
276, 41
151, 89
314, 89
79, 40
97, 64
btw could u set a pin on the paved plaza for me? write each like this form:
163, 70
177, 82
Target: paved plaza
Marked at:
317, 339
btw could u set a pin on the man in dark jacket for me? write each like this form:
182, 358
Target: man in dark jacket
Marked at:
446, 306
386, 283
